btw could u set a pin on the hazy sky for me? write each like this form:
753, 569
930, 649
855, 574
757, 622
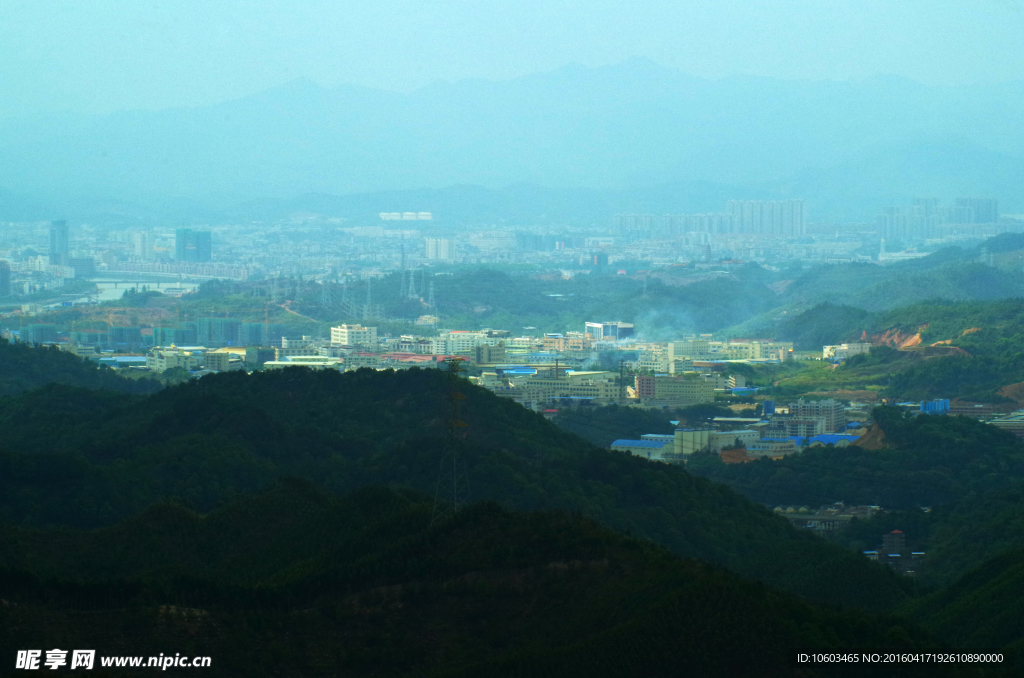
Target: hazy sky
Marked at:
104, 55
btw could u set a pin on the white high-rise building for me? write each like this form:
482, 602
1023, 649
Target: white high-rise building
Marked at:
353, 335
768, 217
440, 248
142, 244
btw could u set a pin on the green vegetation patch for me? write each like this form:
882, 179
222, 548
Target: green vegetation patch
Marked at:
294, 582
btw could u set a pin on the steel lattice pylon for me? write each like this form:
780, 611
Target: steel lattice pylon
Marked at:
452, 479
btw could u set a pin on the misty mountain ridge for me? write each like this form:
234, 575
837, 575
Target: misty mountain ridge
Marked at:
634, 135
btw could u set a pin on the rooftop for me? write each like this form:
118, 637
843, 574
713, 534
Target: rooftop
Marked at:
653, 444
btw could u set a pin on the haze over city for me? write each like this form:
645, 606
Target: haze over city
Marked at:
463, 338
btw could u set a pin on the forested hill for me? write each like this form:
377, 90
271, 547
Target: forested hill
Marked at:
929, 461
935, 320
946, 349
24, 367
985, 608
294, 582
970, 476
72, 458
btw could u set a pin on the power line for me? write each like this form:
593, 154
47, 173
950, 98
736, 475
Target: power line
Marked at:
368, 309
326, 298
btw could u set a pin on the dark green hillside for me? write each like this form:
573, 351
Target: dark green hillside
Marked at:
957, 537
957, 281
491, 298
977, 528
937, 319
933, 460
207, 441
951, 273
984, 609
24, 367
822, 325
294, 582
982, 340
994, 359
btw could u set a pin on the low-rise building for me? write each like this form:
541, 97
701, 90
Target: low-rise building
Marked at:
771, 447
787, 426
757, 350
689, 441
312, 362
841, 351
655, 450
720, 440
353, 335
831, 411
222, 361
487, 354
257, 356
355, 361
546, 385
295, 352
679, 390
159, 359
305, 342
1013, 422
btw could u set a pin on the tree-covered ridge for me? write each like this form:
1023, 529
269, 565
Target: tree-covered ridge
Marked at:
294, 582
665, 303
950, 349
952, 273
970, 476
984, 608
24, 367
937, 319
956, 537
207, 441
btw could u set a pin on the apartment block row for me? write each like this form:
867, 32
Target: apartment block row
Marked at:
785, 431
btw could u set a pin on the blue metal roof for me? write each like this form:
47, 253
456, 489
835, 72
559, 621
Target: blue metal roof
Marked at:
832, 438
654, 444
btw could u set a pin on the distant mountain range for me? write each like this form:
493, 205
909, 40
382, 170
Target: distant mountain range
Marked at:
575, 142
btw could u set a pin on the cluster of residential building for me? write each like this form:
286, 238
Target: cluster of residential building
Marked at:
600, 364
40, 256
536, 371
778, 432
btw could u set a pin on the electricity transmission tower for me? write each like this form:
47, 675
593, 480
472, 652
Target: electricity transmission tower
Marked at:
326, 298
412, 284
452, 478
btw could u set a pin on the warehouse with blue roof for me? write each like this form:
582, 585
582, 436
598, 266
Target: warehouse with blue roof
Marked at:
657, 450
